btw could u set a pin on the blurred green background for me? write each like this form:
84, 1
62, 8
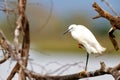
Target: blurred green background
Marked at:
50, 18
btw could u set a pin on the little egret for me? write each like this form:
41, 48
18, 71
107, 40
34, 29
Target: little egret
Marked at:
86, 39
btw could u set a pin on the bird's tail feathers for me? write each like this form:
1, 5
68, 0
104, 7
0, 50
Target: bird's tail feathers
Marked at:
102, 50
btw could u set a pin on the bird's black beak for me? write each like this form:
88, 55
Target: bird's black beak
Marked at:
66, 32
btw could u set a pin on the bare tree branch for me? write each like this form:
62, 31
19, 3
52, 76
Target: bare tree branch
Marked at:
13, 72
114, 21
26, 37
102, 71
5, 44
22, 27
6, 57
64, 68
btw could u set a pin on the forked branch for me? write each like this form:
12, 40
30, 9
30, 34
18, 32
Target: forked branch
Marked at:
114, 71
114, 21
22, 60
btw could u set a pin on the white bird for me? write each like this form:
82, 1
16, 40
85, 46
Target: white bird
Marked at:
86, 39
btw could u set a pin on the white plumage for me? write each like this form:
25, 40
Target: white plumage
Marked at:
85, 38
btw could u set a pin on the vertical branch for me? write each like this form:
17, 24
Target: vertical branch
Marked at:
19, 23
22, 27
26, 37
25, 44
26, 41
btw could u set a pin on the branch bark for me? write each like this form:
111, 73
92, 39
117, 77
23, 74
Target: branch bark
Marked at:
114, 71
6, 57
22, 60
13, 72
114, 21
22, 27
26, 37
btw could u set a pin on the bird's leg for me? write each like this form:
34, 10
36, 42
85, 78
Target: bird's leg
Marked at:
80, 45
87, 61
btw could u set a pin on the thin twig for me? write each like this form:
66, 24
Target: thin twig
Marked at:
110, 6
49, 16
6, 57
64, 68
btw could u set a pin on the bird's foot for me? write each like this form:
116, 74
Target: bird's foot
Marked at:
83, 73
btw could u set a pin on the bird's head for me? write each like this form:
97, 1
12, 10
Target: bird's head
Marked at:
70, 28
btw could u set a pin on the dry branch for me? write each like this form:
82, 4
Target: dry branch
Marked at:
22, 60
114, 21
22, 26
13, 72
114, 71
6, 57
102, 71
5, 44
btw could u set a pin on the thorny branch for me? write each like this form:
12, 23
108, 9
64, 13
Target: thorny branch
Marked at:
114, 21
